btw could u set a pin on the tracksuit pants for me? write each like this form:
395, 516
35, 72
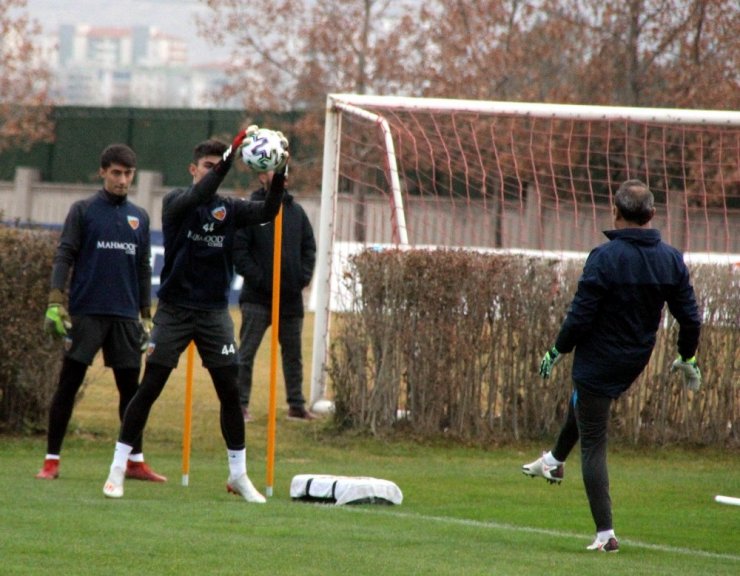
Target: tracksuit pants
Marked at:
587, 420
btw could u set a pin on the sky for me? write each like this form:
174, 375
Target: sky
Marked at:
173, 17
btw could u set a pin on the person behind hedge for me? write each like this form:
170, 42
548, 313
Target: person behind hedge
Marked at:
198, 226
612, 324
105, 243
253, 259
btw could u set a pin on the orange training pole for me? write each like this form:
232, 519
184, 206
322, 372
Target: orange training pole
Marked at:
186, 431
272, 407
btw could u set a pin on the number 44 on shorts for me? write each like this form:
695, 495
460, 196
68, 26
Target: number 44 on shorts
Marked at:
228, 349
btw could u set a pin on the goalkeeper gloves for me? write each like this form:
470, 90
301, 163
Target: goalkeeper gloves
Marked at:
284, 143
56, 320
551, 357
690, 371
228, 158
146, 328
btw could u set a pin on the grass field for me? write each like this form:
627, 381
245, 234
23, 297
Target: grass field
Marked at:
466, 511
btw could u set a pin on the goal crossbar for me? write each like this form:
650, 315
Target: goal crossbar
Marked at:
542, 110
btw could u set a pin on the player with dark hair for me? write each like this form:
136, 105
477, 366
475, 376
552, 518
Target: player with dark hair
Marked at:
198, 226
105, 242
612, 324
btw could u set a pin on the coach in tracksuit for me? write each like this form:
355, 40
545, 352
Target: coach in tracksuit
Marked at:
611, 324
198, 226
105, 242
253, 259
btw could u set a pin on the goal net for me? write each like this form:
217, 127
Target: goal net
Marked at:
512, 176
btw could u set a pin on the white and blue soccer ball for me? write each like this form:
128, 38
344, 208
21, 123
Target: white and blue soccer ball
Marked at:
265, 150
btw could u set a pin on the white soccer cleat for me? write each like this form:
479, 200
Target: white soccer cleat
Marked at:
113, 487
608, 545
553, 474
243, 486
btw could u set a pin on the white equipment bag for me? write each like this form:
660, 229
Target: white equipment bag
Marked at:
344, 489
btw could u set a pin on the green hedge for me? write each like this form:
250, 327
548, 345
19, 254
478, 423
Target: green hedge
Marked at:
163, 139
449, 343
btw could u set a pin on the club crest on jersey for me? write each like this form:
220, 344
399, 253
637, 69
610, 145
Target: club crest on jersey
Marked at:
219, 213
133, 221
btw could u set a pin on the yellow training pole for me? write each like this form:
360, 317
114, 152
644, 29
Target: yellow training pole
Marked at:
272, 406
186, 430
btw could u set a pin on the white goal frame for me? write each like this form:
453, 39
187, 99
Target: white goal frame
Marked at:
338, 105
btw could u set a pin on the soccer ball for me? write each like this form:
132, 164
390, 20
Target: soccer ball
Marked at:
264, 150
323, 407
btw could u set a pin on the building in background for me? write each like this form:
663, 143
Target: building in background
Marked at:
137, 66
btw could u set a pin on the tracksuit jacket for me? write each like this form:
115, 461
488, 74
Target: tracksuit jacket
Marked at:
614, 316
105, 239
253, 258
198, 227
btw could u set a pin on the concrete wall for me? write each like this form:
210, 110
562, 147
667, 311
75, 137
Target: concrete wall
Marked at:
528, 224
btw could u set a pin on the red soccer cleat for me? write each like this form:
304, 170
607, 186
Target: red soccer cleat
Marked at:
50, 470
300, 414
141, 471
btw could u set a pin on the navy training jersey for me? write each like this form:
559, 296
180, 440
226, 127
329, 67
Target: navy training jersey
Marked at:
615, 314
106, 240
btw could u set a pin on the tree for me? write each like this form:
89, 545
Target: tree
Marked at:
298, 51
659, 53
663, 53
672, 53
25, 113
264, 58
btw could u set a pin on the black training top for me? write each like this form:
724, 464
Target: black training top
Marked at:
198, 227
254, 250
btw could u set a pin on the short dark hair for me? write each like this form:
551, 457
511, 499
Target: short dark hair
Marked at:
118, 154
635, 202
210, 147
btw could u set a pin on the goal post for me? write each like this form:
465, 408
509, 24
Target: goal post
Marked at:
418, 172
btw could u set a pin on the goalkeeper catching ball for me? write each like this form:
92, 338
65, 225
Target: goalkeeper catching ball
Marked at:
611, 325
199, 225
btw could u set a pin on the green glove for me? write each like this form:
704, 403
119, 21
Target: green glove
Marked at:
56, 319
551, 357
690, 371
